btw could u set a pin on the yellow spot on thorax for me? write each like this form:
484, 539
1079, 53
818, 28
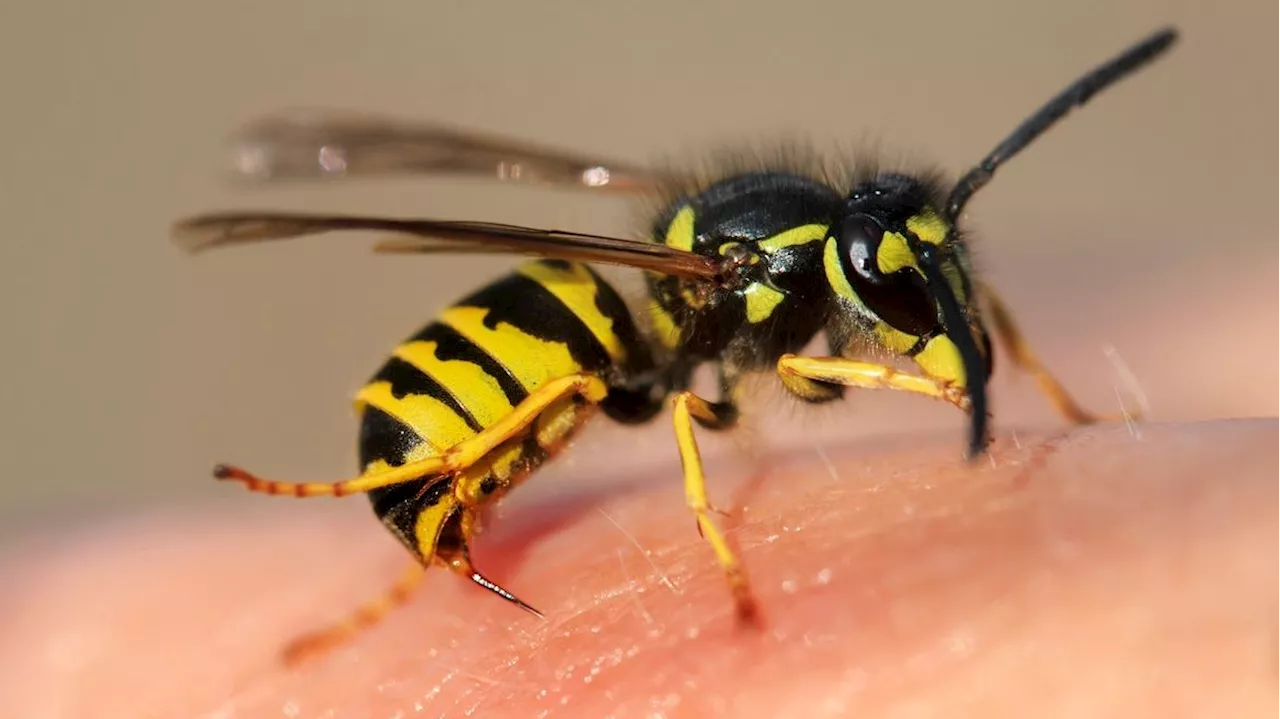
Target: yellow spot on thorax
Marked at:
801, 235
762, 300
680, 231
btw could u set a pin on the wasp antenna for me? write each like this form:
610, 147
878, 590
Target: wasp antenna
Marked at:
958, 332
1075, 95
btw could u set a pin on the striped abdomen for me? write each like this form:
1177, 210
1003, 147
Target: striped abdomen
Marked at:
470, 367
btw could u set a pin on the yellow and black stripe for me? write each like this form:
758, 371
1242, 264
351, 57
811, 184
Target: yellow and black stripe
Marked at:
471, 367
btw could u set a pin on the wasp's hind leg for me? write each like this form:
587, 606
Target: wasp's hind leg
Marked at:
1025, 358
428, 505
322, 641
436, 525
418, 513
456, 459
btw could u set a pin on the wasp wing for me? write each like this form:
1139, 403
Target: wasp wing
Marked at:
327, 144
433, 236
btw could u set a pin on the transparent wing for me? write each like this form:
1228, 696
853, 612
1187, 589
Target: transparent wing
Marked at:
435, 236
315, 144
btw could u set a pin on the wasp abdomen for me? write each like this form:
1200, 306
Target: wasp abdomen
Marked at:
474, 365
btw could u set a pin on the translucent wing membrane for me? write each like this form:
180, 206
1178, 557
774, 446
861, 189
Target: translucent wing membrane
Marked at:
326, 144
433, 236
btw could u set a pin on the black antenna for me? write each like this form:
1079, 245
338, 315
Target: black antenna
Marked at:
1077, 94
958, 331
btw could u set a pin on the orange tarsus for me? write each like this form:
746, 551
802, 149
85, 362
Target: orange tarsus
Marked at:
253, 483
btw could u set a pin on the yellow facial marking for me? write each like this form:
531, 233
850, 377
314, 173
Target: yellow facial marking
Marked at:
576, 289
680, 231
941, 360
894, 254
793, 237
761, 301
835, 275
532, 360
894, 340
433, 420
664, 326
929, 227
475, 390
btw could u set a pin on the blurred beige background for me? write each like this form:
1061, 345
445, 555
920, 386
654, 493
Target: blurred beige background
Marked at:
1146, 222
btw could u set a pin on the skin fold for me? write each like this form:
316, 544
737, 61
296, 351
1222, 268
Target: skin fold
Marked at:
1108, 571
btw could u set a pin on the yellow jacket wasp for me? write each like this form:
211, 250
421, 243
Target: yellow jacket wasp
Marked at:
743, 271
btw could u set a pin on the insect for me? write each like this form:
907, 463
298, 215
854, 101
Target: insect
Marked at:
743, 271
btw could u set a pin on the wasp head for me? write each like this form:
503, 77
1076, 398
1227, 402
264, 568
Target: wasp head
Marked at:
897, 266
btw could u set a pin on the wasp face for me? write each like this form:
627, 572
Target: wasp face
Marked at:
893, 259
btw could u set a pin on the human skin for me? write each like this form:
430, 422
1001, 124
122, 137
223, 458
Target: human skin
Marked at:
1088, 573
1101, 571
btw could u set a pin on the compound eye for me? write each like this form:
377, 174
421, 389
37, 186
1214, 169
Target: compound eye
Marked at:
861, 236
899, 298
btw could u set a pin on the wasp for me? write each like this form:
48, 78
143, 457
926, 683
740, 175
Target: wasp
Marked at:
743, 270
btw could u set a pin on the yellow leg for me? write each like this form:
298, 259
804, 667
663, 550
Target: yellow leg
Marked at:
324, 640
799, 373
1016, 345
688, 407
453, 460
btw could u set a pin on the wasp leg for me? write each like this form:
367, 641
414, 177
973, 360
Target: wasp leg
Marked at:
807, 377
1020, 350
428, 522
455, 459
690, 407
319, 642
